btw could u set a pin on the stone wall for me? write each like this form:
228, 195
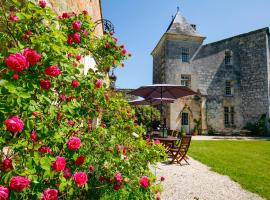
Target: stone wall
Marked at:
248, 73
92, 6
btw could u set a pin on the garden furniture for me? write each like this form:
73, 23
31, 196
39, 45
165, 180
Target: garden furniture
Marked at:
179, 154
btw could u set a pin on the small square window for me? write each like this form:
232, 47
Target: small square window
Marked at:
185, 55
186, 80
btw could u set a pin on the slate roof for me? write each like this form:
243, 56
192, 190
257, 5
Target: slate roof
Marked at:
179, 25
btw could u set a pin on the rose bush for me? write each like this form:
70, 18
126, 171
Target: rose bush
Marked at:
51, 145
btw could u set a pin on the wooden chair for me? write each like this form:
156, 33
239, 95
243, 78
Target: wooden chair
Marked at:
180, 153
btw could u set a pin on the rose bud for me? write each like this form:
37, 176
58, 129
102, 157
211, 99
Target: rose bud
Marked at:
33, 135
75, 83
42, 4
15, 76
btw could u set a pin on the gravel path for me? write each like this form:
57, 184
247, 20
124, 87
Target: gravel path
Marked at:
197, 182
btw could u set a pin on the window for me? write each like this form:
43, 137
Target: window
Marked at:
184, 120
229, 116
228, 57
186, 80
228, 88
185, 55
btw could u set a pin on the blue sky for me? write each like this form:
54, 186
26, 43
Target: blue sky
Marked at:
139, 24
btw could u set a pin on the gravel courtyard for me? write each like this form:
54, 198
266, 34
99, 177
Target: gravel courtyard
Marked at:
197, 182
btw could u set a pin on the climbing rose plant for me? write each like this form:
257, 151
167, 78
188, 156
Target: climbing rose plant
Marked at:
50, 144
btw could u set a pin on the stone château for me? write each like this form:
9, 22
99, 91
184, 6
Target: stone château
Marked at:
231, 77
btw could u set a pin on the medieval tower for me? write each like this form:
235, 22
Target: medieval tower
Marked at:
231, 77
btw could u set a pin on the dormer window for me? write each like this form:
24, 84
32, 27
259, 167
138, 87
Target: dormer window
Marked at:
185, 55
228, 57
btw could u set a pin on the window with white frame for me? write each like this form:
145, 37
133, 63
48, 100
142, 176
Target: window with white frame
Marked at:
185, 55
228, 57
228, 88
186, 80
229, 116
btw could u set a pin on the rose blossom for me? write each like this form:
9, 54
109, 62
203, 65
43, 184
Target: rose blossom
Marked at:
33, 135
80, 160
65, 15
117, 187
80, 178
76, 37
76, 25
70, 39
118, 177
59, 164
122, 149
62, 97
18, 183
156, 142
99, 83
124, 51
49, 194
14, 124
7, 164
162, 178
42, 4
44, 149
75, 83
15, 76
67, 173
85, 12
52, 71
91, 168
17, 62
144, 181
85, 32
13, 17
4, 193
31, 56
78, 57
45, 84
74, 143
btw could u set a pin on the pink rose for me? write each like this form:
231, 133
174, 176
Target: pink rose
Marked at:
62, 97
156, 142
45, 84
124, 51
144, 181
118, 177
78, 57
7, 164
49, 194
13, 17
4, 193
17, 62
31, 56
99, 83
122, 149
33, 135
15, 76
52, 71
76, 37
42, 4
65, 15
76, 25
75, 83
19, 183
80, 160
59, 165
80, 178
67, 173
44, 149
74, 143
14, 124
92, 168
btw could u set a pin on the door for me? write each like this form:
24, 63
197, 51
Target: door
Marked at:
185, 122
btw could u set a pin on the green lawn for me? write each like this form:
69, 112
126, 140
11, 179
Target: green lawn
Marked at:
246, 162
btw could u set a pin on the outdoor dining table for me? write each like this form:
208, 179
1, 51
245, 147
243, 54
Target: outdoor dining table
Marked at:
168, 141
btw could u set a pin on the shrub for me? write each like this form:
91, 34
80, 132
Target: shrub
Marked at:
49, 143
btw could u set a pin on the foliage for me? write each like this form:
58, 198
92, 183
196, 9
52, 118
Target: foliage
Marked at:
143, 114
259, 127
246, 162
59, 142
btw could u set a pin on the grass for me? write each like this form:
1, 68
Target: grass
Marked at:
246, 162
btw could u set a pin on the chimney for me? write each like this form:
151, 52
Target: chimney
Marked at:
193, 26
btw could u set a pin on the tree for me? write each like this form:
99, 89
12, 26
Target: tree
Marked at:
49, 147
